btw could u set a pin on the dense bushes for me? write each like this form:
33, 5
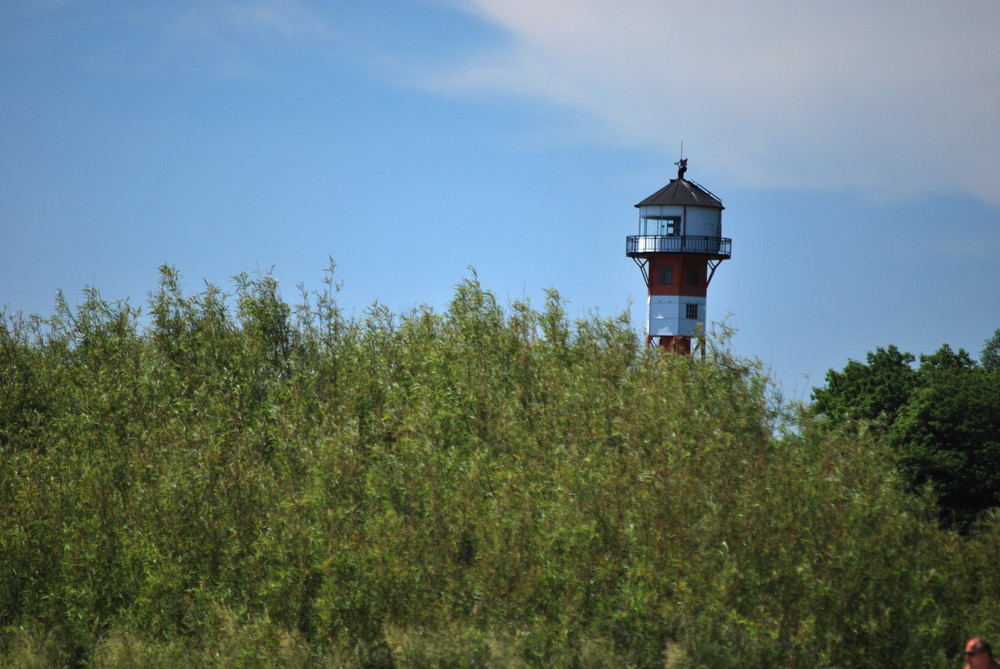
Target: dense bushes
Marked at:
941, 418
233, 481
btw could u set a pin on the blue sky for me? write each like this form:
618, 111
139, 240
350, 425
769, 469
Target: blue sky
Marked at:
853, 144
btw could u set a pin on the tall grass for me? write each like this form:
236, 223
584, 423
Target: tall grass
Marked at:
230, 480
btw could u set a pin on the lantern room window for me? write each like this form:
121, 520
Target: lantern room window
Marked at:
661, 226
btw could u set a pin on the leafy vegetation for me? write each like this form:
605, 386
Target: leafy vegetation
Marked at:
236, 481
942, 419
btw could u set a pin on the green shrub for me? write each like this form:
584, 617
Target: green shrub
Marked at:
233, 481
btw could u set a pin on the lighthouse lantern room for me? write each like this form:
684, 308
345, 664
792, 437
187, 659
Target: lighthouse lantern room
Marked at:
678, 249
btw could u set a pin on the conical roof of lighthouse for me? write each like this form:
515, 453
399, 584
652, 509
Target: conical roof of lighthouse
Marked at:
682, 192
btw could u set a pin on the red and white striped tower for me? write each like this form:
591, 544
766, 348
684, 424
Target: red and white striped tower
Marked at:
678, 248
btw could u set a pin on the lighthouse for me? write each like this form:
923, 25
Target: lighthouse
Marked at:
678, 249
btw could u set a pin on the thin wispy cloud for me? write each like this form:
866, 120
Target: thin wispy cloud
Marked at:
233, 38
290, 20
889, 99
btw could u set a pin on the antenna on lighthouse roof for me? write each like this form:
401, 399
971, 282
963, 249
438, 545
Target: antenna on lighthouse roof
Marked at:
682, 164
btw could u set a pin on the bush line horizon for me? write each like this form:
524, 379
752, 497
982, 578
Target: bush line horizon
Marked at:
245, 482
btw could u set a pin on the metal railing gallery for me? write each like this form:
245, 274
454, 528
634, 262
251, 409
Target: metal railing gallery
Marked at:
721, 247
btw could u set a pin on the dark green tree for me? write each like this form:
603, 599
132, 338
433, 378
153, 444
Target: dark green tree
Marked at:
948, 434
990, 357
942, 418
874, 391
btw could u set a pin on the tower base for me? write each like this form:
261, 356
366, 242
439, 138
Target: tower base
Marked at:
679, 344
